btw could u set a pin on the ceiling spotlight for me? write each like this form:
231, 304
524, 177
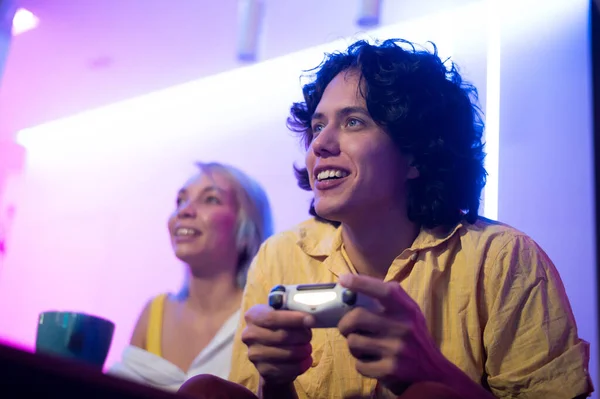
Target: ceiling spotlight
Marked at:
23, 21
250, 17
368, 14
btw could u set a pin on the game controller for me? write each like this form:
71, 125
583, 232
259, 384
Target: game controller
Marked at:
328, 303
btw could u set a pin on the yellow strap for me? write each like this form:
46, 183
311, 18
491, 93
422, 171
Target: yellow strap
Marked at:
155, 322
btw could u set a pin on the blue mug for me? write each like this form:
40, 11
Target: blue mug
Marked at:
73, 335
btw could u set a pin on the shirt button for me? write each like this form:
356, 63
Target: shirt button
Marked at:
414, 256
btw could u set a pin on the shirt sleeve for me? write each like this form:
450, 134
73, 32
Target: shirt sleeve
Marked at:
256, 292
530, 336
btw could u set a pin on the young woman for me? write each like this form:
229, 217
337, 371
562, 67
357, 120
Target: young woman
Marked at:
221, 218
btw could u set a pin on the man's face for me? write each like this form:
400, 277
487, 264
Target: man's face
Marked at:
354, 167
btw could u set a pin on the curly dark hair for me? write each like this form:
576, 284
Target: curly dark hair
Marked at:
430, 113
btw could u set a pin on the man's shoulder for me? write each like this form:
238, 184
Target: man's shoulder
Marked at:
507, 249
485, 231
304, 233
293, 254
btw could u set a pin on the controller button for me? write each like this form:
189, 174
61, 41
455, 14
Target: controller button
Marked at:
276, 301
349, 297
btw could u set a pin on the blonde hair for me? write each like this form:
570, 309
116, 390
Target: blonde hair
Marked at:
254, 221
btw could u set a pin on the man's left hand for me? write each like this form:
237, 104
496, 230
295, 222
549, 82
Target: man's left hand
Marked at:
393, 346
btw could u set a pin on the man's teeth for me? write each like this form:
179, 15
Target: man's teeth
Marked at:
185, 232
331, 174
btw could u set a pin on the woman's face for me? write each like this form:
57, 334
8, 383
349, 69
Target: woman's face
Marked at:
203, 226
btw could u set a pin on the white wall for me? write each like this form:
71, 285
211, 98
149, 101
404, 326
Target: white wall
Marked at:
90, 231
546, 149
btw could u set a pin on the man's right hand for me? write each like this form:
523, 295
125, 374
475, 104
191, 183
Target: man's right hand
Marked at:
278, 343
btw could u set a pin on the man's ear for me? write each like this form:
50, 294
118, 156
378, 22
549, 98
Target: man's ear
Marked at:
413, 172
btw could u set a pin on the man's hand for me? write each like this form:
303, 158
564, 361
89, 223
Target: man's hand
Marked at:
278, 343
393, 346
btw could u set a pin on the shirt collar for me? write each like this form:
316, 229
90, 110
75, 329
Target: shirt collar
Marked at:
319, 239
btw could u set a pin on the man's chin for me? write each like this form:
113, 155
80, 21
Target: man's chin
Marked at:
330, 213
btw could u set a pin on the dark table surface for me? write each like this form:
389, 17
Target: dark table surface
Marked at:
23, 373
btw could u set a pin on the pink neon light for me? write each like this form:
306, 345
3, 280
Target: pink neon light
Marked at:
23, 21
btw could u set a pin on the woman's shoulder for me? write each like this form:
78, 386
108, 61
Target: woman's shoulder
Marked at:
139, 336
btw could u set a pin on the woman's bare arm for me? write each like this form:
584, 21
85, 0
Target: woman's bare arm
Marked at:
138, 338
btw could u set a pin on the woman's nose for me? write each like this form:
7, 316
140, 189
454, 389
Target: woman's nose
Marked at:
186, 210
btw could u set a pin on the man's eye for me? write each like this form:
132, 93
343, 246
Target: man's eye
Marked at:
353, 122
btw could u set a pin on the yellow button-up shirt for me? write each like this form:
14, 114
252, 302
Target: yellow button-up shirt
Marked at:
494, 304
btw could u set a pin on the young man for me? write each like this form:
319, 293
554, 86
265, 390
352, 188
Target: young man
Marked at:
395, 162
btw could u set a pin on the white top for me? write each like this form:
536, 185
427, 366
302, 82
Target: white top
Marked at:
147, 368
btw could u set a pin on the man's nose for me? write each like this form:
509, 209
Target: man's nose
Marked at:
327, 142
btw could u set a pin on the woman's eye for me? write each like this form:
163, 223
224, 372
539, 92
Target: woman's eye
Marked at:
317, 128
212, 200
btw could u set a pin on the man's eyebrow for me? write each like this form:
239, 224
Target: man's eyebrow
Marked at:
343, 112
352, 110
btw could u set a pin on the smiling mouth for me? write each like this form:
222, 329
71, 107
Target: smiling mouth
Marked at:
331, 174
186, 232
